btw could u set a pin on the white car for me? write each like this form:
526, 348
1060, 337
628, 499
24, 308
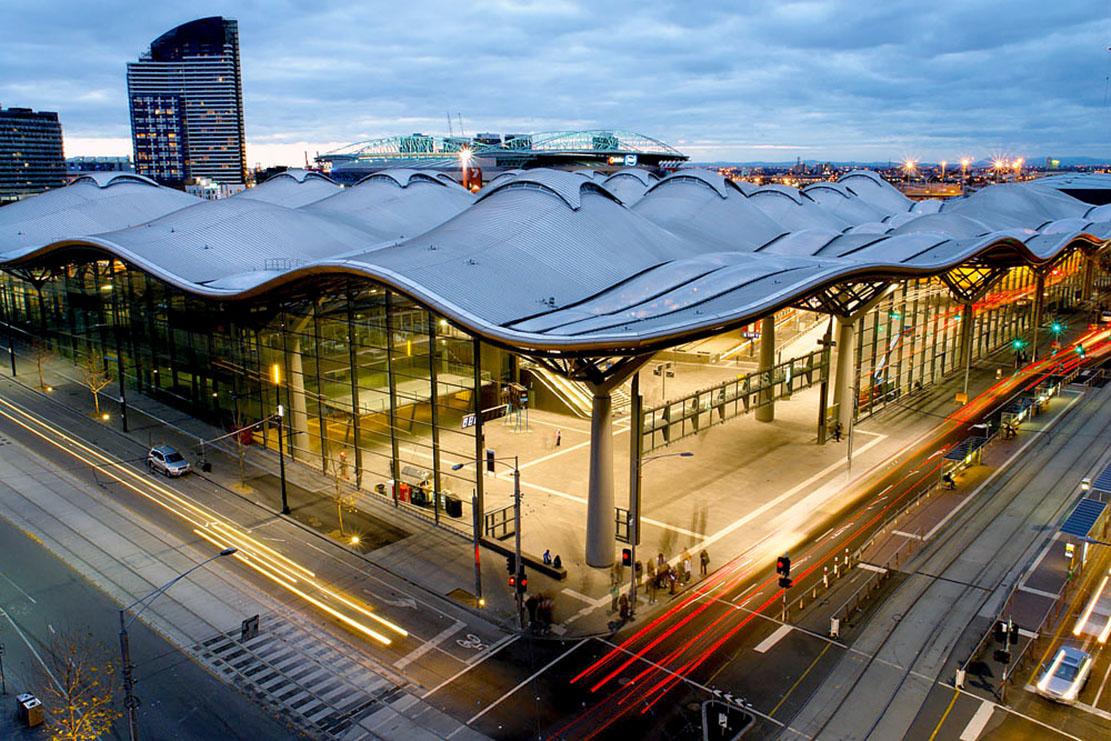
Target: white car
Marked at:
1065, 676
165, 459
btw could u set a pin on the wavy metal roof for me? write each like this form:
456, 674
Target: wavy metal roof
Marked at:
551, 262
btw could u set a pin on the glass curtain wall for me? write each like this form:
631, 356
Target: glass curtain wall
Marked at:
374, 387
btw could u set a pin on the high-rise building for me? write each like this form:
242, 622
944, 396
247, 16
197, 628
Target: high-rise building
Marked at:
186, 100
31, 158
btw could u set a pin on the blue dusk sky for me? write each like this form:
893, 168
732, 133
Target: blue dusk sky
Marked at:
728, 81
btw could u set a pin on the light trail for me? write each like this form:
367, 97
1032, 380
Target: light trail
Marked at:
261, 558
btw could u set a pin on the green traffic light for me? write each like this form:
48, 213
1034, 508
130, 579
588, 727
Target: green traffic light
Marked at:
1057, 327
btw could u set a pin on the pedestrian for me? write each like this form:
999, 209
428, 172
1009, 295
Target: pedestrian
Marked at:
660, 561
704, 560
558, 562
623, 608
531, 604
615, 592
837, 431
559, 439
547, 558
545, 613
672, 577
638, 572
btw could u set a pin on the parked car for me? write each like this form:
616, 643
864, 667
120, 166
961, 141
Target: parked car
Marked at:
1064, 677
168, 461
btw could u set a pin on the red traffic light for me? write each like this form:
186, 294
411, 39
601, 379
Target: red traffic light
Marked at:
783, 565
626, 557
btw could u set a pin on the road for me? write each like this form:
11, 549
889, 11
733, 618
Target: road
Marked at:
40, 595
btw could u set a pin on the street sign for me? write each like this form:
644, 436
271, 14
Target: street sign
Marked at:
487, 415
724, 721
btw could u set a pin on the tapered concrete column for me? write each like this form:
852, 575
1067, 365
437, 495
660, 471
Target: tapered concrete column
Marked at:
599, 503
1089, 278
1039, 311
299, 418
846, 364
766, 413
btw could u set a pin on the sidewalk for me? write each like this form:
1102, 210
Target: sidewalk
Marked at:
749, 489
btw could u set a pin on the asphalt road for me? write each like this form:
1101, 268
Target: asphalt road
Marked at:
180, 699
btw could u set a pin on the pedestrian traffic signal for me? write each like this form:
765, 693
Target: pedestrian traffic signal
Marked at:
785, 582
1000, 631
1080, 350
510, 564
1057, 327
520, 581
783, 565
626, 557
1017, 344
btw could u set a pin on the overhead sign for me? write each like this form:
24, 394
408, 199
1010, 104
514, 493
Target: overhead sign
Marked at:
630, 160
487, 415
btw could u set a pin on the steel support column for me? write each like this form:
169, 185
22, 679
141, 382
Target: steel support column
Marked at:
843, 385
599, 506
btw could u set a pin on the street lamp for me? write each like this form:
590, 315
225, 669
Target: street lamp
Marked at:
516, 532
130, 701
634, 523
276, 374
965, 162
465, 158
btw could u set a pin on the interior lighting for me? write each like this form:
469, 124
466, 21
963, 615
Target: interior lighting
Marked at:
276, 374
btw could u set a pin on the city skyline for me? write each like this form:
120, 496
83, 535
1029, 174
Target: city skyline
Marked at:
797, 80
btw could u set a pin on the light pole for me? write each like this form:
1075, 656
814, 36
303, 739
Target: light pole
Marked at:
276, 375
130, 701
634, 524
965, 162
518, 566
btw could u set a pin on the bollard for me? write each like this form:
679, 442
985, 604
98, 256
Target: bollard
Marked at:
815, 594
835, 567
846, 558
825, 577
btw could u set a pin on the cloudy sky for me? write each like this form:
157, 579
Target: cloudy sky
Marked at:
739, 80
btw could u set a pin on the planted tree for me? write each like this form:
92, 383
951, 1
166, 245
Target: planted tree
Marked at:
95, 376
80, 683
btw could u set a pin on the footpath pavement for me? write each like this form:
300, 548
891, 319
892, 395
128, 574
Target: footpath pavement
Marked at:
748, 489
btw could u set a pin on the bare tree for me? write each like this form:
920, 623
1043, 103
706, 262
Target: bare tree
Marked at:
40, 351
342, 496
95, 376
80, 683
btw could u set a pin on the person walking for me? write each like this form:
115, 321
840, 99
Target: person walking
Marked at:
837, 431
615, 592
650, 582
559, 437
623, 608
687, 567
531, 604
704, 561
660, 561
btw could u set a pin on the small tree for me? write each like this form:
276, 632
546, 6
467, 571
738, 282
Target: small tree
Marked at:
40, 351
342, 496
80, 684
95, 376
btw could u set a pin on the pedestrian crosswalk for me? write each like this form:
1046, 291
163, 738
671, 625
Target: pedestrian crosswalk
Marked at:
302, 673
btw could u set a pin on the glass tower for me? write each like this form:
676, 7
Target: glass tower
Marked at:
186, 99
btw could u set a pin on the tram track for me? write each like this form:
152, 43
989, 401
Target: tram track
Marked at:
956, 540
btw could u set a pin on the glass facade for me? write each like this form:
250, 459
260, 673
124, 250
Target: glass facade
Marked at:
375, 387
912, 338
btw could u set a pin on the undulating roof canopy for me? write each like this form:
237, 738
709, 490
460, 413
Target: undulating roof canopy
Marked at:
551, 262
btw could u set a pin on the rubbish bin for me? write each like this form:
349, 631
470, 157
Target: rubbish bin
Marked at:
19, 706
33, 708
453, 506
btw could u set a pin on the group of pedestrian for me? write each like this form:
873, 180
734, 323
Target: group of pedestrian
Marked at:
539, 607
548, 561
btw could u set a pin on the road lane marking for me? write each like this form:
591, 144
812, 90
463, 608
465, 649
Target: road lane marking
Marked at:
38, 658
976, 725
996, 473
427, 646
903, 533
766, 645
478, 659
827, 532
945, 715
9, 581
801, 677
536, 674
1039, 592
869, 567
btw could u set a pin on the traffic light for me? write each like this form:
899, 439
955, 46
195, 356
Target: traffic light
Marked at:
1080, 350
1014, 633
783, 565
1057, 327
1002, 655
785, 582
626, 557
1000, 631
520, 581
1017, 344
510, 564
489, 460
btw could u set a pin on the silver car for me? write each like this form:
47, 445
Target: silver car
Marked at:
1064, 677
165, 459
